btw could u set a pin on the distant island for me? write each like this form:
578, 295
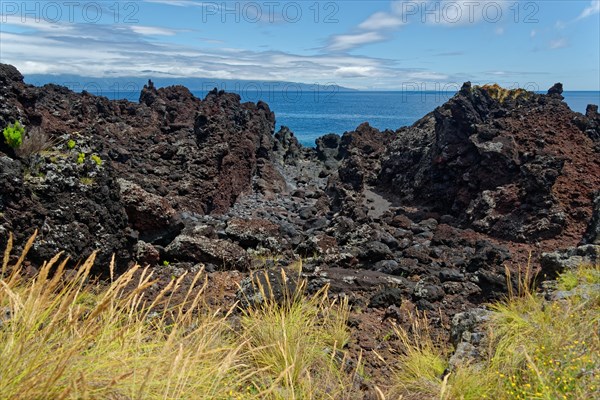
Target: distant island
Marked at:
117, 87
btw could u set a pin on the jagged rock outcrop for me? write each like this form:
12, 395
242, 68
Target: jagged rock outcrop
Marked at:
237, 146
356, 156
511, 164
180, 153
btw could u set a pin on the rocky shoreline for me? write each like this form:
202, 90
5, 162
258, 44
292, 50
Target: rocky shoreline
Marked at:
426, 217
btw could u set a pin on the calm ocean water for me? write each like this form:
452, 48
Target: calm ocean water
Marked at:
313, 114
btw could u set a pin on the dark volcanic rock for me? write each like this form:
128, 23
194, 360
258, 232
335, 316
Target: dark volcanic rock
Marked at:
556, 262
286, 148
233, 138
151, 215
220, 252
592, 235
254, 232
556, 90
495, 159
75, 206
386, 297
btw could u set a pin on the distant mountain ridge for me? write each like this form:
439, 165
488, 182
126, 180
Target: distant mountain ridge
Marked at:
111, 86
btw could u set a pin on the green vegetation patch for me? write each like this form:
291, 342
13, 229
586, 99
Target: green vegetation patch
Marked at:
13, 135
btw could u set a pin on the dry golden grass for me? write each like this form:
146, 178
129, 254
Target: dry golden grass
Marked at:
537, 349
70, 338
64, 336
499, 93
296, 344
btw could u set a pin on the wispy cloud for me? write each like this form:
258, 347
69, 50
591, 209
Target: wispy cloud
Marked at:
152, 30
381, 20
109, 50
559, 43
427, 76
346, 42
450, 54
182, 3
355, 72
447, 13
592, 9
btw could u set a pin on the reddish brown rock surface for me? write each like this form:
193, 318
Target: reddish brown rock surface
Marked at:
518, 168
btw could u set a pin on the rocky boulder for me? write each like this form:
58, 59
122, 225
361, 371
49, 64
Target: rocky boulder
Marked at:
222, 253
73, 199
556, 262
151, 215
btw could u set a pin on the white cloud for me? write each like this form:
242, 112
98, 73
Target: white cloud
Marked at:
38, 25
353, 72
558, 43
447, 13
427, 76
152, 30
593, 8
346, 42
452, 12
381, 20
104, 51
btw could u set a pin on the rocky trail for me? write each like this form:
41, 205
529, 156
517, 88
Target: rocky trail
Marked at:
425, 218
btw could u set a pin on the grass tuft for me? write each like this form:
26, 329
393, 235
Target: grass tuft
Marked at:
65, 336
296, 343
537, 349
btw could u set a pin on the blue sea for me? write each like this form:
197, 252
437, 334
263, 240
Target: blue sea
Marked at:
311, 114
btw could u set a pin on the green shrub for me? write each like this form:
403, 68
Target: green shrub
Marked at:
96, 159
13, 135
80, 158
71, 144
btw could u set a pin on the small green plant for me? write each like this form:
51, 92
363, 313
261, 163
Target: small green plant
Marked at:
86, 181
13, 135
96, 159
166, 263
71, 144
80, 158
569, 280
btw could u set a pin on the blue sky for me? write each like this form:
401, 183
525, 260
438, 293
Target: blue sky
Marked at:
371, 44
